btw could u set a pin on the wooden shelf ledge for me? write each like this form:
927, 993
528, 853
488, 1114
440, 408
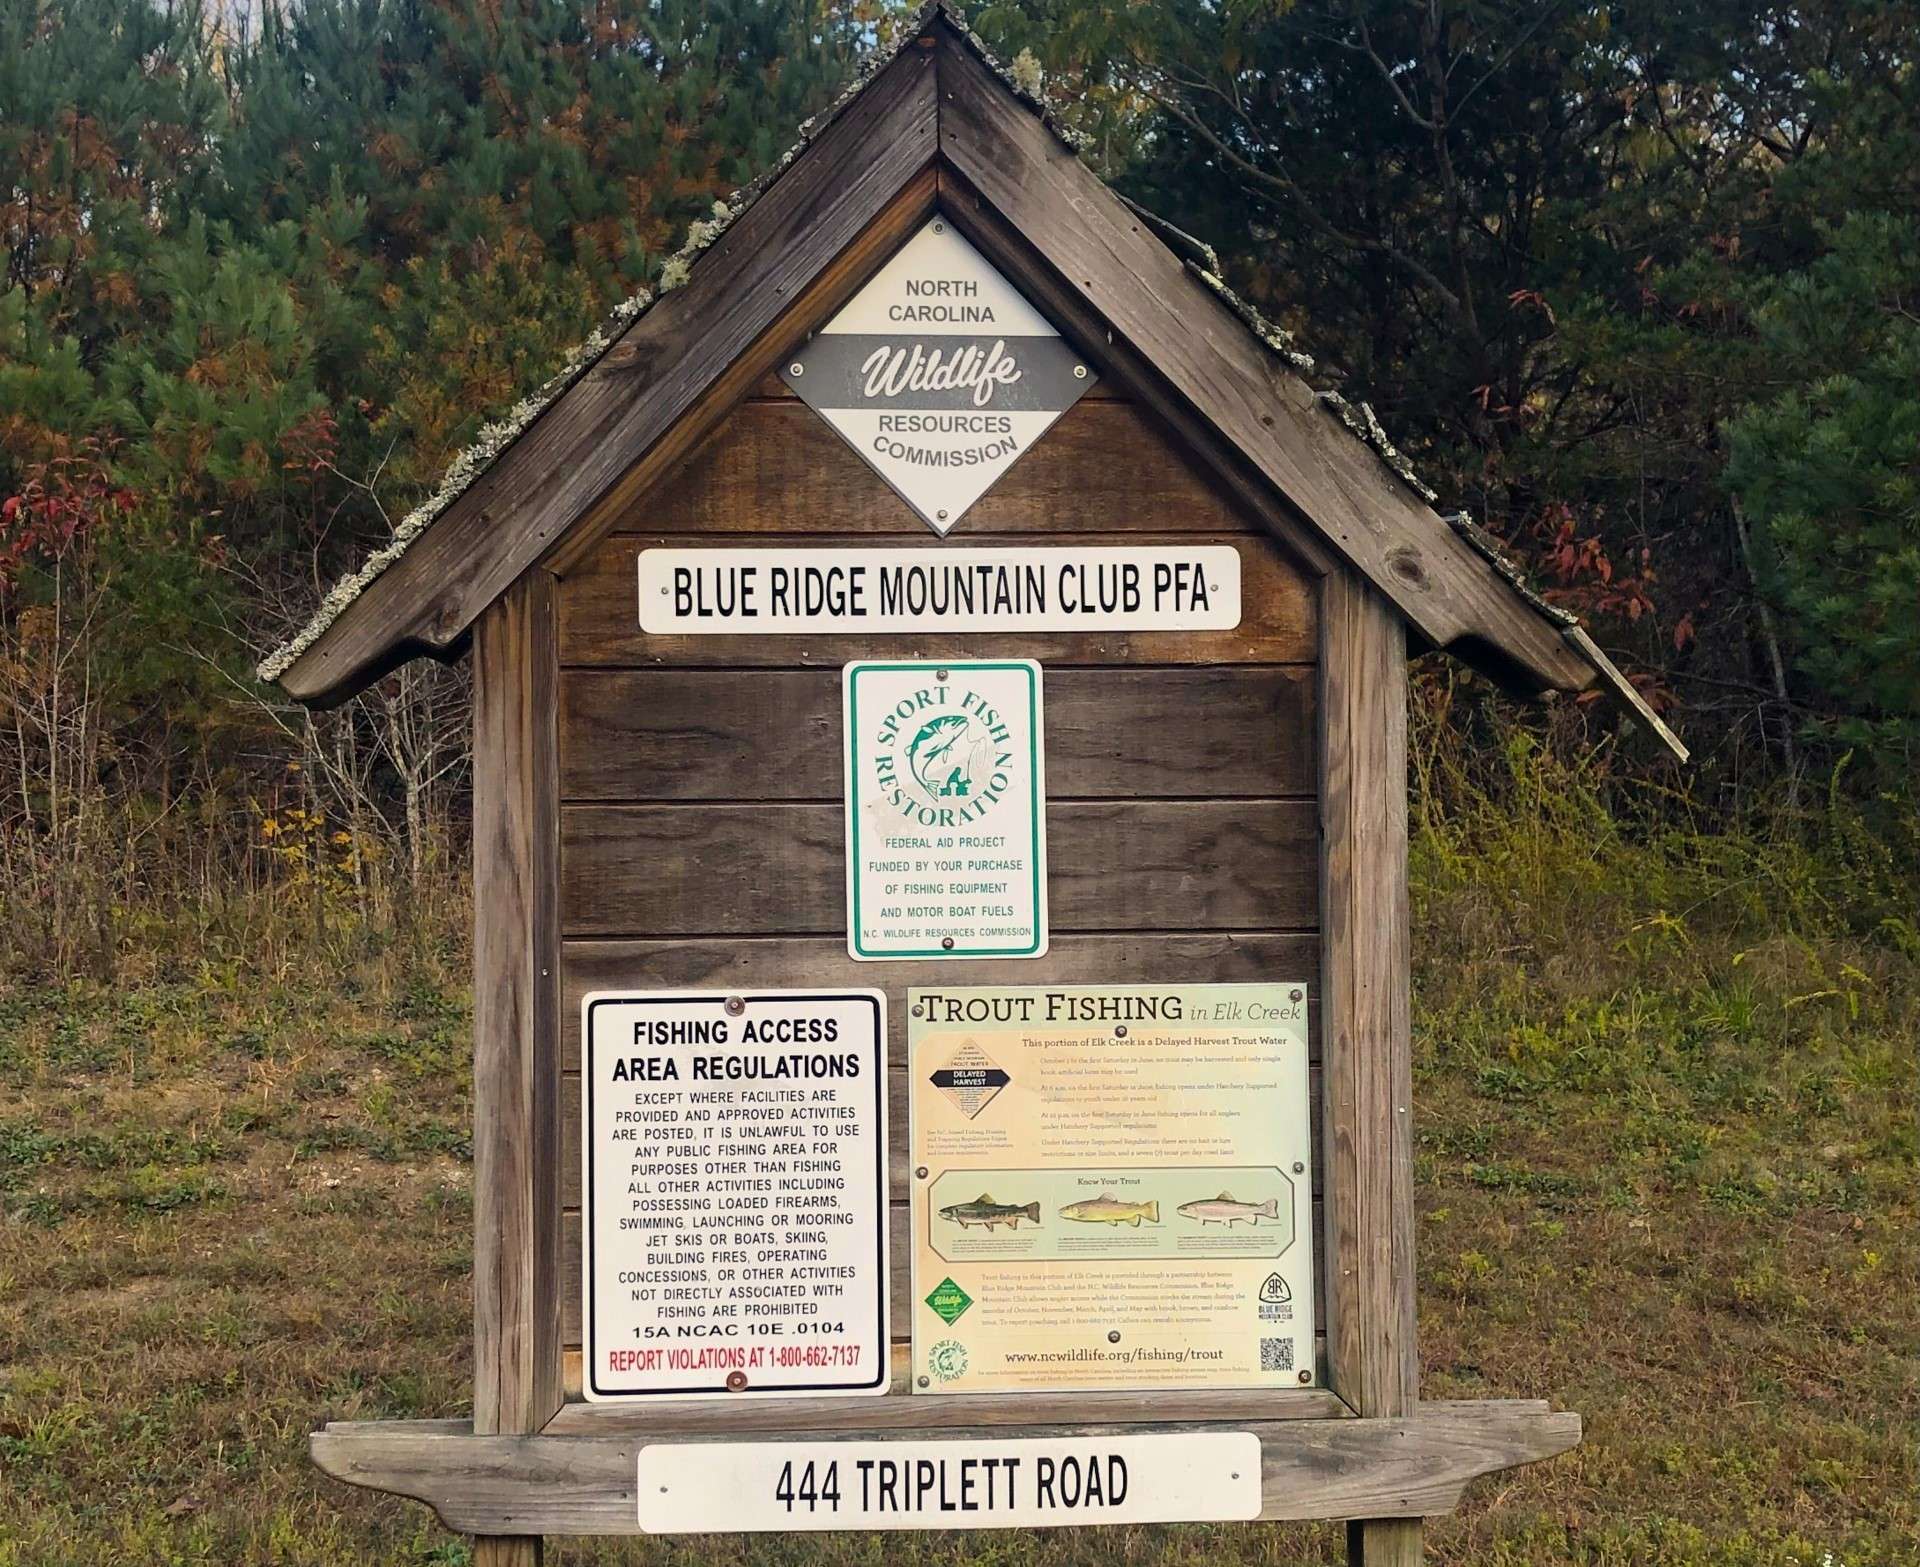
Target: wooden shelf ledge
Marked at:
1413, 1466
739, 1420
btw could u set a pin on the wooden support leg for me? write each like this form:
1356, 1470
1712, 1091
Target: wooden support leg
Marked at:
508, 1550
1384, 1542
516, 1025
1366, 1031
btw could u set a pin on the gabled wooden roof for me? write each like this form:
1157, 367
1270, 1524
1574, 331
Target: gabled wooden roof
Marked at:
934, 124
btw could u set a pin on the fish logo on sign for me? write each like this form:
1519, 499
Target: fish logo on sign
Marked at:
939, 374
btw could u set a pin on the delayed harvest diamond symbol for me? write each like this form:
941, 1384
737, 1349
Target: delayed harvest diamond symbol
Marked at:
969, 1079
939, 374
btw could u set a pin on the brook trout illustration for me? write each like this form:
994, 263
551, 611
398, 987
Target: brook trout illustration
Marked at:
1225, 1210
984, 1210
1109, 1209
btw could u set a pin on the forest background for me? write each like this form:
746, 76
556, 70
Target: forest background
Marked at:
1638, 286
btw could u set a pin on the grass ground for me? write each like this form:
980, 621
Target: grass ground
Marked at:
1667, 1165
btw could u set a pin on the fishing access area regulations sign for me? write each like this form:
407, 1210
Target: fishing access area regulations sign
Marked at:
946, 810
1131, 1204
939, 374
734, 1175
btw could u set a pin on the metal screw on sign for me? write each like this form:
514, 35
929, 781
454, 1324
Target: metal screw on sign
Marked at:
735, 1006
923, 1382
1079, 372
1114, 1336
947, 942
736, 1381
796, 368
918, 1010
920, 1171
939, 228
943, 517
1299, 1168
1294, 995
1306, 1377
1120, 1031
940, 674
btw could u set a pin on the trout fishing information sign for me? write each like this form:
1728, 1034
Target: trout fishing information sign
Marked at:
1111, 1187
946, 810
939, 374
735, 1183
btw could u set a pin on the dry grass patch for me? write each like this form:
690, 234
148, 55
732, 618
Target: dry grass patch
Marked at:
1666, 1155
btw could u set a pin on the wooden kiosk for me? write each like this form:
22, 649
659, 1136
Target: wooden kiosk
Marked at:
630, 831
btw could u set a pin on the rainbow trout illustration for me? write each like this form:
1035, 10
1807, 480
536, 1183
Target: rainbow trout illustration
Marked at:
985, 1211
1225, 1210
1109, 1209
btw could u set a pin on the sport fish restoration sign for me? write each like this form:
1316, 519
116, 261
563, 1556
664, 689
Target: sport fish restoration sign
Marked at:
892, 592
939, 374
734, 1155
984, 1483
946, 810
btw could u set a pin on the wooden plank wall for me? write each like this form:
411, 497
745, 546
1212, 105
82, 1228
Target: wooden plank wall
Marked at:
700, 777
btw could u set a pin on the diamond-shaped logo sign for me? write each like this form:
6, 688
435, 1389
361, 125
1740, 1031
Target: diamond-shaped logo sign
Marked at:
949, 1301
969, 1079
939, 374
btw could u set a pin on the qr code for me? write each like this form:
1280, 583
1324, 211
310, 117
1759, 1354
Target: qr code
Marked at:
1276, 1354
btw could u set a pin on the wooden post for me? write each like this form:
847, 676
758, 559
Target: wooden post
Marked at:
1365, 1026
516, 1028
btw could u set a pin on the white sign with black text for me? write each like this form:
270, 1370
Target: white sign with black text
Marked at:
939, 374
984, 1483
946, 809
734, 1176
890, 592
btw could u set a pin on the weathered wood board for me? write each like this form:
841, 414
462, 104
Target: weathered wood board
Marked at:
1406, 1467
648, 735
1104, 467
779, 869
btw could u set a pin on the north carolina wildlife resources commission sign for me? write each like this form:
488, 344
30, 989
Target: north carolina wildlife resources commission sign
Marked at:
946, 810
939, 374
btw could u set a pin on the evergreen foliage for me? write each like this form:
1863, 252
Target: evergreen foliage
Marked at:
268, 280
1635, 285
1554, 245
1829, 473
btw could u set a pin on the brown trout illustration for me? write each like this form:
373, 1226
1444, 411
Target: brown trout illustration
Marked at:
983, 1210
1225, 1210
1109, 1209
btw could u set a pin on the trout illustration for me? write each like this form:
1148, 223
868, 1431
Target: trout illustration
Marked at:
1225, 1210
1109, 1209
985, 1211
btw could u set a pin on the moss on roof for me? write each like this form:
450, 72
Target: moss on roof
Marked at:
1023, 79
